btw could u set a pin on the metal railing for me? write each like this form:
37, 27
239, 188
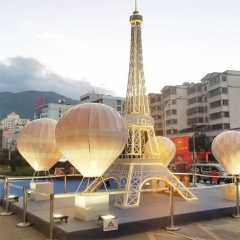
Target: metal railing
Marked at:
53, 196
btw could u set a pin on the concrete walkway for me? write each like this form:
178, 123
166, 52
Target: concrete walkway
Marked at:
9, 231
219, 229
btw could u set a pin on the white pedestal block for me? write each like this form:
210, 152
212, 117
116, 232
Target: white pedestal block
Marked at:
88, 208
229, 192
41, 187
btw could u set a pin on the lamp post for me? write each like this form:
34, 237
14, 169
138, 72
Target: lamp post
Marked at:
165, 116
162, 118
194, 159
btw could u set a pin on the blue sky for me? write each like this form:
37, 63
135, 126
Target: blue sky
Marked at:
86, 43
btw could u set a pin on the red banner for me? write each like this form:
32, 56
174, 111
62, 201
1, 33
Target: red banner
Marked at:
183, 158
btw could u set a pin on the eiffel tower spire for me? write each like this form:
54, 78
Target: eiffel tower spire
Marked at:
136, 110
136, 98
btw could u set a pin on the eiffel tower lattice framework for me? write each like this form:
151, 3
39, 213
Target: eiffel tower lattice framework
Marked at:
132, 169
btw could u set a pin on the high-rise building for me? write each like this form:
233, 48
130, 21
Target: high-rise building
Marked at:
51, 110
116, 103
169, 109
12, 120
210, 105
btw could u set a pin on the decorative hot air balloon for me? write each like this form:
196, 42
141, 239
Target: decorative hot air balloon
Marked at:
166, 147
226, 149
36, 143
91, 136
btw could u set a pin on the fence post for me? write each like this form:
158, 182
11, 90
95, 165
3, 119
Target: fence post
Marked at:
51, 217
65, 184
3, 190
237, 196
24, 223
171, 228
7, 213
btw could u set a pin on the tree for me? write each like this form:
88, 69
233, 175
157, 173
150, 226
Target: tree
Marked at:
201, 143
16, 160
4, 157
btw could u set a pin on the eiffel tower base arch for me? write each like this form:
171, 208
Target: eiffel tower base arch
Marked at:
130, 177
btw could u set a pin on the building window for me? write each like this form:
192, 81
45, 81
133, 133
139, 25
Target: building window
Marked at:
194, 100
174, 111
174, 91
214, 81
226, 126
217, 127
224, 78
226, 114
158, 125
84, 98
224, 90
216, 115
216, 104
199, 88
225, 102
214, 92
153, 100
205, 99
119, 109
168, 112
205, 88
119, 102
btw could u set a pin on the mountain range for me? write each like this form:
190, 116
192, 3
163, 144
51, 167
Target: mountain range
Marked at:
23, 103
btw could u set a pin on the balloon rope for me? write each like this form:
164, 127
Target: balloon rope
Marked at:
88, 182
50, 175
104, 184
37, 175
79, 185
33, 177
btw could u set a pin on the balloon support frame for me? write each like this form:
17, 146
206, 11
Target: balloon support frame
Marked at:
36, 175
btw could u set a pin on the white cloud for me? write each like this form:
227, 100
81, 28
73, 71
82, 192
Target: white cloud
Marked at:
60, 40
26, 22
20, 74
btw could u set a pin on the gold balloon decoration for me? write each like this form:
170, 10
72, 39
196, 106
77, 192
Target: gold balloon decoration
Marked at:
36, 143
91, 136
226, 149
166, 147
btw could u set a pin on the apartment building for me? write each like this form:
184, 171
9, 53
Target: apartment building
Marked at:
116, 103
51, 110
169, 109
212, 106
198, 106
12, 120
223, 101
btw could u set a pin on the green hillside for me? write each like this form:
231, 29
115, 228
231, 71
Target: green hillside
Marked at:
23, 103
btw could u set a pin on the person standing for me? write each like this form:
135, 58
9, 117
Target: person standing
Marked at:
214, 173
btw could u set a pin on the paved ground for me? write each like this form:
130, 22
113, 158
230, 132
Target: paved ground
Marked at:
219, 229
9, 231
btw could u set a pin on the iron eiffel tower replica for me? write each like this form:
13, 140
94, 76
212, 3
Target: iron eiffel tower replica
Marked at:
136, 110
132, 169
